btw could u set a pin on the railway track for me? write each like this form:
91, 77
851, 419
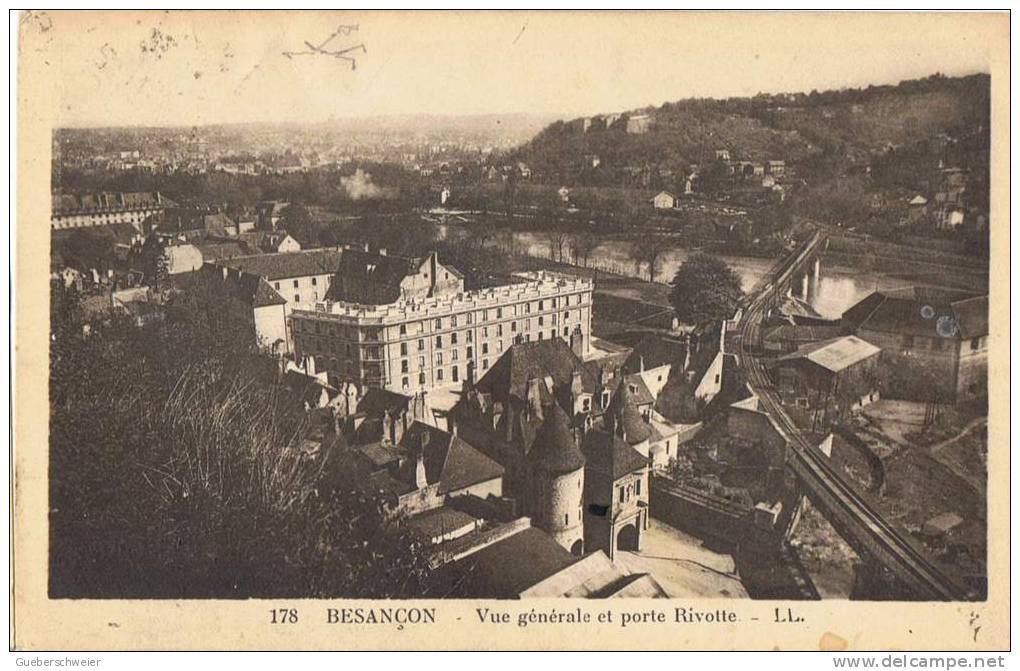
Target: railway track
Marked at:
825, 485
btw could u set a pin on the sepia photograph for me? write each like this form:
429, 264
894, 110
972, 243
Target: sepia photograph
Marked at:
344, 306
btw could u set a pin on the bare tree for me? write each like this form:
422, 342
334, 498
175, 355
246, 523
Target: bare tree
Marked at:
480, 235
507, 242
647, 250
582, 245
557, 241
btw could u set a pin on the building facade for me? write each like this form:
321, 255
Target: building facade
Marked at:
277, 283
939, 334
100, 209
440, 339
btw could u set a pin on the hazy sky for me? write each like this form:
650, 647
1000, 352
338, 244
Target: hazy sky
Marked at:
110, 68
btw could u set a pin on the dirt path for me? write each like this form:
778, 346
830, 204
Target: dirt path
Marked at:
976, 481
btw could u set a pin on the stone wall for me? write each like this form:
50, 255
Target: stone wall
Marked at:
697, 512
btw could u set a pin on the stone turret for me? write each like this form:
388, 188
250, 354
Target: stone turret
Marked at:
556, 490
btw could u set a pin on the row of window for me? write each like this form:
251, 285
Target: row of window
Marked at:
297, 283
318, 345
937, 344
453, 321
320, 328
627, 492
440, 376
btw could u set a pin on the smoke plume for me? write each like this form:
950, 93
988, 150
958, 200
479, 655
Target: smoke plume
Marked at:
360, 186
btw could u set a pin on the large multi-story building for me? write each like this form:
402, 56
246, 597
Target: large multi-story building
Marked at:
100, 209
277, 283
431, 332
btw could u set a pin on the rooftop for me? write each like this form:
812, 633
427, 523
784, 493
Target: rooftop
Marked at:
510, 566
450, 461
285, 265
536, 285
656, 350
107, 201
836, 354
554, 449
922, 311
610, 454
538, 359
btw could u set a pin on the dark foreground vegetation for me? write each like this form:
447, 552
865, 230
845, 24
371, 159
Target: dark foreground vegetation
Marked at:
175, 473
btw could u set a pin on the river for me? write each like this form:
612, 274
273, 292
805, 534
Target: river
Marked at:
837, 287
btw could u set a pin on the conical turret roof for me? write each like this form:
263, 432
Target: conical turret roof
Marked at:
554, 449
623, 414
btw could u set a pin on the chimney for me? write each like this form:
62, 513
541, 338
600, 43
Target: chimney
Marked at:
420, 482
641, 363
577, 342
387, 426
535, 397
576, 389
366, 247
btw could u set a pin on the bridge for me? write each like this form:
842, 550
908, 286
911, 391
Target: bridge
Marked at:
875, 540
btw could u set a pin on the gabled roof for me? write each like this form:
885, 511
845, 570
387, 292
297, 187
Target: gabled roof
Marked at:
376, 401
216, 250
286, 265
384, 270
656, 350
181, 219
921, 311
553, 358
450, 461
307, 387
510, 566
249, 288
836, 354
803, 333
264, 241
638, 390
972, 316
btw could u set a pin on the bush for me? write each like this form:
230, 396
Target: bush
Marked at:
175, 471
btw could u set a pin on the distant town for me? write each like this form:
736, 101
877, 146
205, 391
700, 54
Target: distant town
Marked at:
717, 348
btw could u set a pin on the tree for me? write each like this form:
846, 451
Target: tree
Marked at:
582, 245
175, 470
87, 249
297, 221
704, 289
557, 241
506, 239
510, 193
647, 251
